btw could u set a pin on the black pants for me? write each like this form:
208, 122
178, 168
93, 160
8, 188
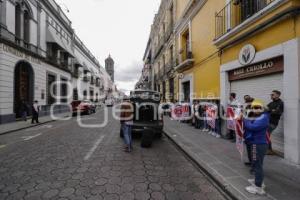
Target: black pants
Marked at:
249, 151
258, 155
231, 135
35, 117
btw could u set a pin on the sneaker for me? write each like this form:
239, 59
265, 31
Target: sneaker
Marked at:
252, 182
255, 190
218, 136
214, 134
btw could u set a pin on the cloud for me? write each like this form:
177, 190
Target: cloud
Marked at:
126, 77
129, 73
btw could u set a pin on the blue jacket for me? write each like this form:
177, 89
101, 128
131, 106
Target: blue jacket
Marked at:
256, 130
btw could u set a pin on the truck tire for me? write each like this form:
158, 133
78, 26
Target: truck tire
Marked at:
147, 138
159, 134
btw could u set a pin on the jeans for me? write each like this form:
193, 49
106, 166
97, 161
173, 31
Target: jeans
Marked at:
205, 125
258, 155
217, 128
127, 134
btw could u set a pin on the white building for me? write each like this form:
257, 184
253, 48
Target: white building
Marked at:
38, 47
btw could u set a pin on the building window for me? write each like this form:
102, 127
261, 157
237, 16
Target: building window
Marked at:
186, 48
64, 90
51, 90
26, 26
18, 22
75, 94
22, 22
171, 83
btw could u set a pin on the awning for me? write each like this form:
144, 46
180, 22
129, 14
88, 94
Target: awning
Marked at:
55, 38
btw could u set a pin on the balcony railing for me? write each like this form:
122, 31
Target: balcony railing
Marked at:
86, 78
186, 62
12, 38
236, 12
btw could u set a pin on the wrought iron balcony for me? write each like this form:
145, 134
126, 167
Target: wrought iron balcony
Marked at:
187, 61
236, 12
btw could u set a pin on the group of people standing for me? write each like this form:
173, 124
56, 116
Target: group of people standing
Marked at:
201, 119
35, 109
259, 122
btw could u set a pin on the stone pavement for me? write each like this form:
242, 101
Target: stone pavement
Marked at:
220, 159
54, 166
20, 125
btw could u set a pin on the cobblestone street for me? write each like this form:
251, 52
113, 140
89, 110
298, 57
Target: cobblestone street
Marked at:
64, 161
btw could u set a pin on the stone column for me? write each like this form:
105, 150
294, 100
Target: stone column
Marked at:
39, 10
3, 13
291, 89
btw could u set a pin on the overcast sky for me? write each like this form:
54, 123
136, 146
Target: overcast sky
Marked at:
117, 27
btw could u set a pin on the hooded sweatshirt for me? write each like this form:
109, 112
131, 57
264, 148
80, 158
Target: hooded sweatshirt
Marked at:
256, 129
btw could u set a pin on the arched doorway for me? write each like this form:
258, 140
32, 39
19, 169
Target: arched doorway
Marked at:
23, 86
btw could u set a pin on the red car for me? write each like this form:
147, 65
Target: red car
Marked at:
83, 107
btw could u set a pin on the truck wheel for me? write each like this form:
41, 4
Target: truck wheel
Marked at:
159, 135
147, 139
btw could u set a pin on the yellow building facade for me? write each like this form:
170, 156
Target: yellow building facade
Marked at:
259, 46
198, 61
204, 50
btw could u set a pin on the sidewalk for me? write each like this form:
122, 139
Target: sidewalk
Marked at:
220, 158
20, 125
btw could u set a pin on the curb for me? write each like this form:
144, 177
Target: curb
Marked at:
27, 127
223, 188
30, 126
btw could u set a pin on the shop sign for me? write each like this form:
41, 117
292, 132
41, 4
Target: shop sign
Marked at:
271, 66
247, 54
15, 52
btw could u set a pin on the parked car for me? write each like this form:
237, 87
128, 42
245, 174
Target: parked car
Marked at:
83, 107
148, 118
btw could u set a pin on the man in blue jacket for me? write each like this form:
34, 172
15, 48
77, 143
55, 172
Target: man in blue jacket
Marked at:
256, 130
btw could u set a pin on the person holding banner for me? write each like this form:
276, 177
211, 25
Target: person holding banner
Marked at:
233, 111
256, 129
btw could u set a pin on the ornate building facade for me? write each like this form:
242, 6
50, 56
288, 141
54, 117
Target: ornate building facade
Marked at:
41, 58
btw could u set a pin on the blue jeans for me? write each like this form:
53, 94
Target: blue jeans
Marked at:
258, 155
127, 134
217, 128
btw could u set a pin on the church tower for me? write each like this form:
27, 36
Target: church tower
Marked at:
109, 67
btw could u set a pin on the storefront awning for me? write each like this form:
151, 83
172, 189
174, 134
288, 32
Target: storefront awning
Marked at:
55, 38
